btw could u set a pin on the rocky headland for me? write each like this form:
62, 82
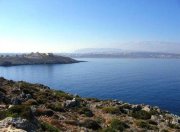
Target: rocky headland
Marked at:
26, 107
34, 58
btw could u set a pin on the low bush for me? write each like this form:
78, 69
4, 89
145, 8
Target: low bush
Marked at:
48, 128
109, 129
86, 111
31, 102
23, 111
143, 124
43, 112
153, 122
173, 126
141, 114
126, 106
93, 99
164, 130
62, 94
111, 110
91, 124
146, 125
118, 125
55, 107
6, 113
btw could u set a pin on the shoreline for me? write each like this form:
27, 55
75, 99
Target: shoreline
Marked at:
40, 107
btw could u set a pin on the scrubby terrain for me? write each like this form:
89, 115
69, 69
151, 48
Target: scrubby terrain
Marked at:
35, 107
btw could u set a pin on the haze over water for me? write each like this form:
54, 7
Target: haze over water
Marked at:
149, 81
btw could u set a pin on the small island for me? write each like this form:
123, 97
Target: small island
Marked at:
26, 107
34, 59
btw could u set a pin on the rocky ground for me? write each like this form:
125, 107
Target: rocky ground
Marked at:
37, 108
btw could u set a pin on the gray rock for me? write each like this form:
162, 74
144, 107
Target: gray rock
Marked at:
146, 108
23, 95
71, 103
18, 123
175, 121
23, 124
28, 96
15, 101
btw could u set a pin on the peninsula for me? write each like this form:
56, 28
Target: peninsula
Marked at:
26, 107
34, 58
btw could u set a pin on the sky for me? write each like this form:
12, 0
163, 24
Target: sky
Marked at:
68, 25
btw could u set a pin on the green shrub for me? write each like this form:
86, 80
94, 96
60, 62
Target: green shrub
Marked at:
109, 129
31, 102
111, 110
93, 99
55, 107
126, 106
91, 124
6, 113
2, 90
48, 128
118, 125
86, 111
153, 122
173, 126
23, 111
164, 130
43, 112
154, 112
62, 94
141, 115
146, 125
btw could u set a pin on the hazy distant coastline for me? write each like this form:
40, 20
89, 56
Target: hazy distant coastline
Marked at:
118, 53
34, 58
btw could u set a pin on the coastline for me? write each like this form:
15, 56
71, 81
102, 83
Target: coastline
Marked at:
62, 111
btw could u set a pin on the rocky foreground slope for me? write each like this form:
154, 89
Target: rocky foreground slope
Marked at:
37, 108
34, 58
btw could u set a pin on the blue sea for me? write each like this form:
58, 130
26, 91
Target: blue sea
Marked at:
149, 81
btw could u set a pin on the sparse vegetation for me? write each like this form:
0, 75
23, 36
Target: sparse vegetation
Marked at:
64, 95
49, 110
86, 111
91, 124
111, 110
146, 125
141, 115
49, 128
116, 124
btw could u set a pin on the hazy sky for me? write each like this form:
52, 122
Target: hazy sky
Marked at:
67, 25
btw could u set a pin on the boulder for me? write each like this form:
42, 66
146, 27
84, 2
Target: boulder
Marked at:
10, 106
71, 103
154, 117
22, 95
18, 123
28, 96
2, 96
175, 121
15, 101
146, 108
2, 107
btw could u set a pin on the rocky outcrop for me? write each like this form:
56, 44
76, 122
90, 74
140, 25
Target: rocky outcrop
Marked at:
19, 123
71, 103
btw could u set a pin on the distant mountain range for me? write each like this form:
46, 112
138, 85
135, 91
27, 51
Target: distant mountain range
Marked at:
118, 53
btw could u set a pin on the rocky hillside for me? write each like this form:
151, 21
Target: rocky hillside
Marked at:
34, 58
37, 108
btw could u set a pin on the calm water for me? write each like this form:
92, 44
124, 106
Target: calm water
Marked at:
149, 81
